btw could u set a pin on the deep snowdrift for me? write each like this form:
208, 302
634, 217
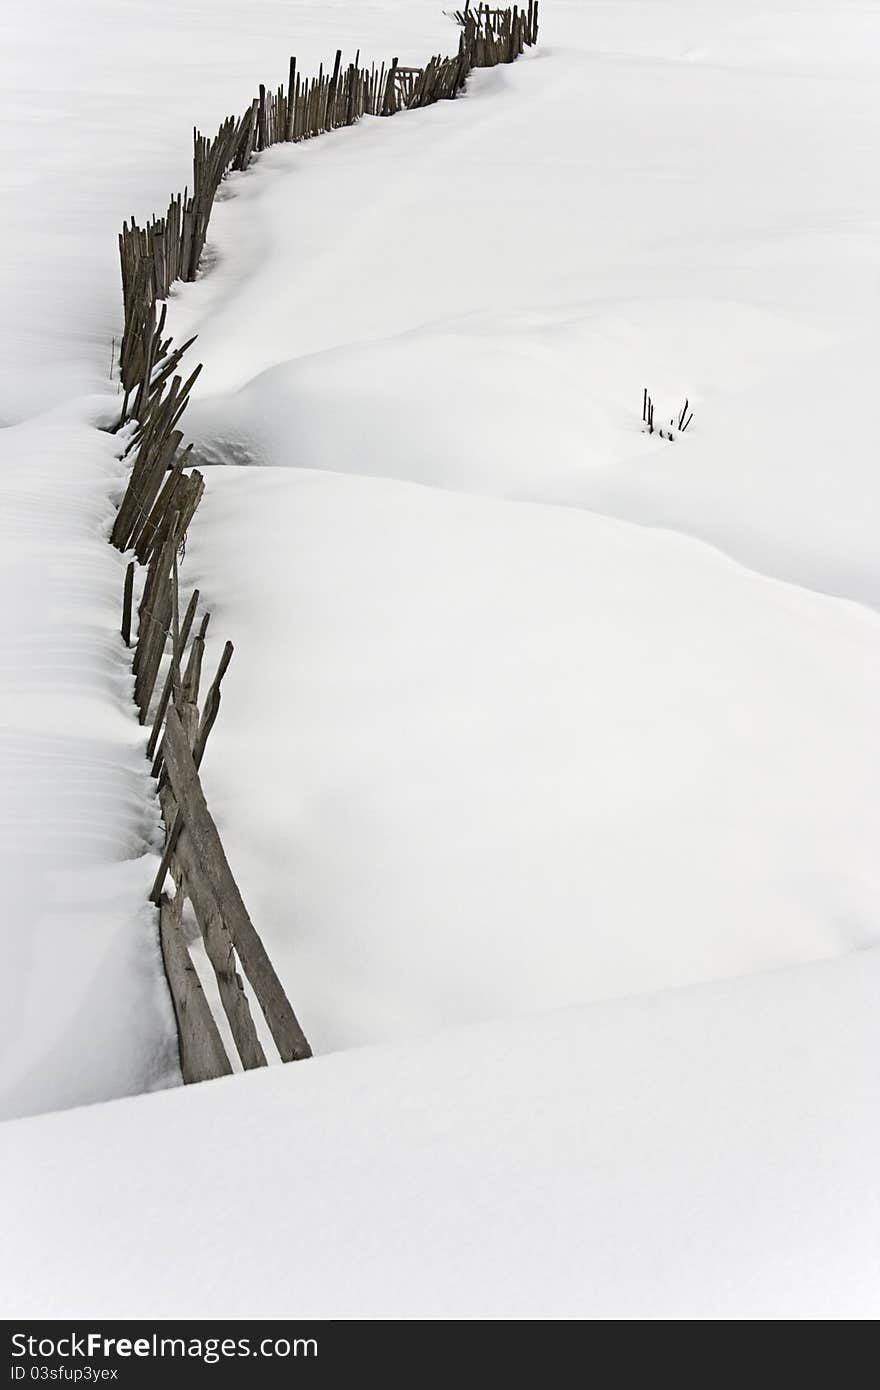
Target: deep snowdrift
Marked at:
477, 757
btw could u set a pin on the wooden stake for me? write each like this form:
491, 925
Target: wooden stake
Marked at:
126, 604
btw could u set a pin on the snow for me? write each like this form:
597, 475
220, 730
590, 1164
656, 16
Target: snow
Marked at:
478, 757
85, 1015
517, 270
542, 735
511, 754
708, 1153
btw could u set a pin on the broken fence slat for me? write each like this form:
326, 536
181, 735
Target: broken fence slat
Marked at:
155, 622
212, 705
166, 690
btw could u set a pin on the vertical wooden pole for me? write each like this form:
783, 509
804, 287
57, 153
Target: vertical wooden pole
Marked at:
126, 604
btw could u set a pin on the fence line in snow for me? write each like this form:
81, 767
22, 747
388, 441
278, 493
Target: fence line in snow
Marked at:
169, 247
161, 498
194, 854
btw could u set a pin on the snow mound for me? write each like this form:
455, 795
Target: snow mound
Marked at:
481, 756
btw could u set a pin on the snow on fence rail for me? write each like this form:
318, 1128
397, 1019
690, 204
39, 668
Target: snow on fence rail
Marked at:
161, 499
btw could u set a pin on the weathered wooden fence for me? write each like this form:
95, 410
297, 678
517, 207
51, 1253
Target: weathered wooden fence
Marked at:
161, 498
194, 855
202, 876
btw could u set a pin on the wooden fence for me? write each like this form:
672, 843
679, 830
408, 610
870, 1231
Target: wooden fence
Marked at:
194, 855
161, 498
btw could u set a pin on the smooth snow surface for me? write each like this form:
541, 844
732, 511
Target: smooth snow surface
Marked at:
85, 1014
709, 1153
479, 756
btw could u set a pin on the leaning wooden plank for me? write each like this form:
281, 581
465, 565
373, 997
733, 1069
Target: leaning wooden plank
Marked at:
158, 573
190, 497
247, 141
183, 400
283, 1024
143, 544
189, 689
218, 943
389, 96
166, 692
150, 447
153, 635
145, 341
155, 621
221, 953
197, 739
143, 498
179, 511
189, 718
193, 673
202, 1055
212, 706
154, 421
176, 649
165, 368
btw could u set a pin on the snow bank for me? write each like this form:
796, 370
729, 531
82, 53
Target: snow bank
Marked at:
711, 1153
477, 757
775, 471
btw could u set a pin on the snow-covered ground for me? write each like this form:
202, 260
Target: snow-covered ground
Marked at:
529, 711
481, 756
86, 1014
707, 1153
